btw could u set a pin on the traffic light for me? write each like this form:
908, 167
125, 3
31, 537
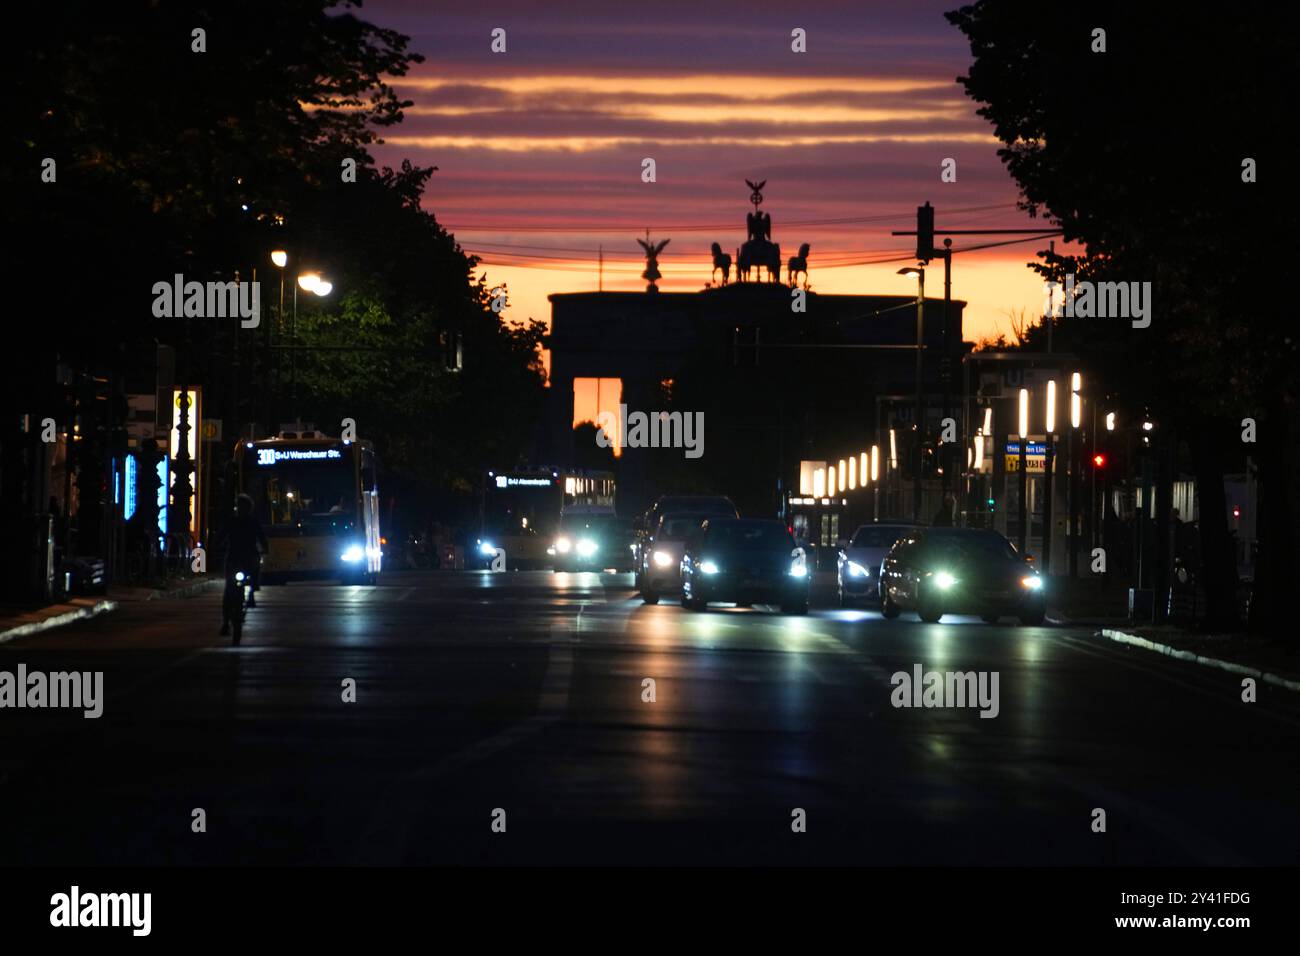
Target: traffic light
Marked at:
1099, 461
990, 504
925, 232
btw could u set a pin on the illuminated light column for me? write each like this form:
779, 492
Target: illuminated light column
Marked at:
1072, 486
1024, 468
875, 480
1049, 452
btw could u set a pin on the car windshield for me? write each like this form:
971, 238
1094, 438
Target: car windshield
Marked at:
983, 546
749, 537
697, 505
877, 536
680, 527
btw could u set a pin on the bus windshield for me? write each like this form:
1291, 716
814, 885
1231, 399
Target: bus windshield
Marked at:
521, 509
309, 497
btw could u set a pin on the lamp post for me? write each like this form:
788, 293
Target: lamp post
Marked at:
1023, 508
920, 398
308, 282
279, 259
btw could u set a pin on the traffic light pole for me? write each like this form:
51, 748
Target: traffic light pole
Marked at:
920, 397
925, 251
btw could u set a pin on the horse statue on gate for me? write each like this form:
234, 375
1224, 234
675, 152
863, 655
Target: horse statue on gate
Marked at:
720, 261
797, 265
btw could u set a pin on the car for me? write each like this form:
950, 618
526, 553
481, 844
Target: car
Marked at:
713, 505
938, 571
745, 561
858, 567
660, 570
590, 541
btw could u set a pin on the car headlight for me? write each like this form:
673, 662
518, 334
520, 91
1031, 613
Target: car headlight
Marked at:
708, 567
239, 577
944, 580
486, 548
663, 559
858, 571
1033, 582
799, 570
563, 545
354, 553
587, 548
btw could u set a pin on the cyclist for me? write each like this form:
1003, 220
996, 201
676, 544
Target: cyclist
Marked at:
245, 542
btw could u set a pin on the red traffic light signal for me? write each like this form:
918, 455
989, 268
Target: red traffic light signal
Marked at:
1099, 461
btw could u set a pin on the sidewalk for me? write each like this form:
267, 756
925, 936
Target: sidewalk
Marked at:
17, 621
1249, 655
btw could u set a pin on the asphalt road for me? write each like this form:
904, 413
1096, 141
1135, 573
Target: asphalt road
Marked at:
524, 692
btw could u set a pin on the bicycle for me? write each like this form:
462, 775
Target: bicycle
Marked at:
233, 603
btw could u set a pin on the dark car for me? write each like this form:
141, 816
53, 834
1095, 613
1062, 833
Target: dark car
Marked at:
745, 561
938, 571
718, 506
858, 568
660, 569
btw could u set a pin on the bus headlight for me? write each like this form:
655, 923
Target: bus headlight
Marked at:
563, 545
353, 554
663, 559
586, 548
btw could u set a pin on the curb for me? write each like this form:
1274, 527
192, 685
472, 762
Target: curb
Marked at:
103, 606
190, 589
1122, 637
57, 620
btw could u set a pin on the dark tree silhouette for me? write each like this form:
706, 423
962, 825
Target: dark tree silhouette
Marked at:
1138, 153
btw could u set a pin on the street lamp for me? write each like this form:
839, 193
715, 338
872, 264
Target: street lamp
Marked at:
920, 400
308, 282
1072, 485
279, 259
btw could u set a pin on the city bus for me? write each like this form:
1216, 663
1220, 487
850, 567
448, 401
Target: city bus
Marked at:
318, 503
520, 512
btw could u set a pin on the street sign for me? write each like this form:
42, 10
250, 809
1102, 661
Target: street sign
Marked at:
1035, 456
211, 429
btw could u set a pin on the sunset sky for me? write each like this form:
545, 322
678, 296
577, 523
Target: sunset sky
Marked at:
540, 148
